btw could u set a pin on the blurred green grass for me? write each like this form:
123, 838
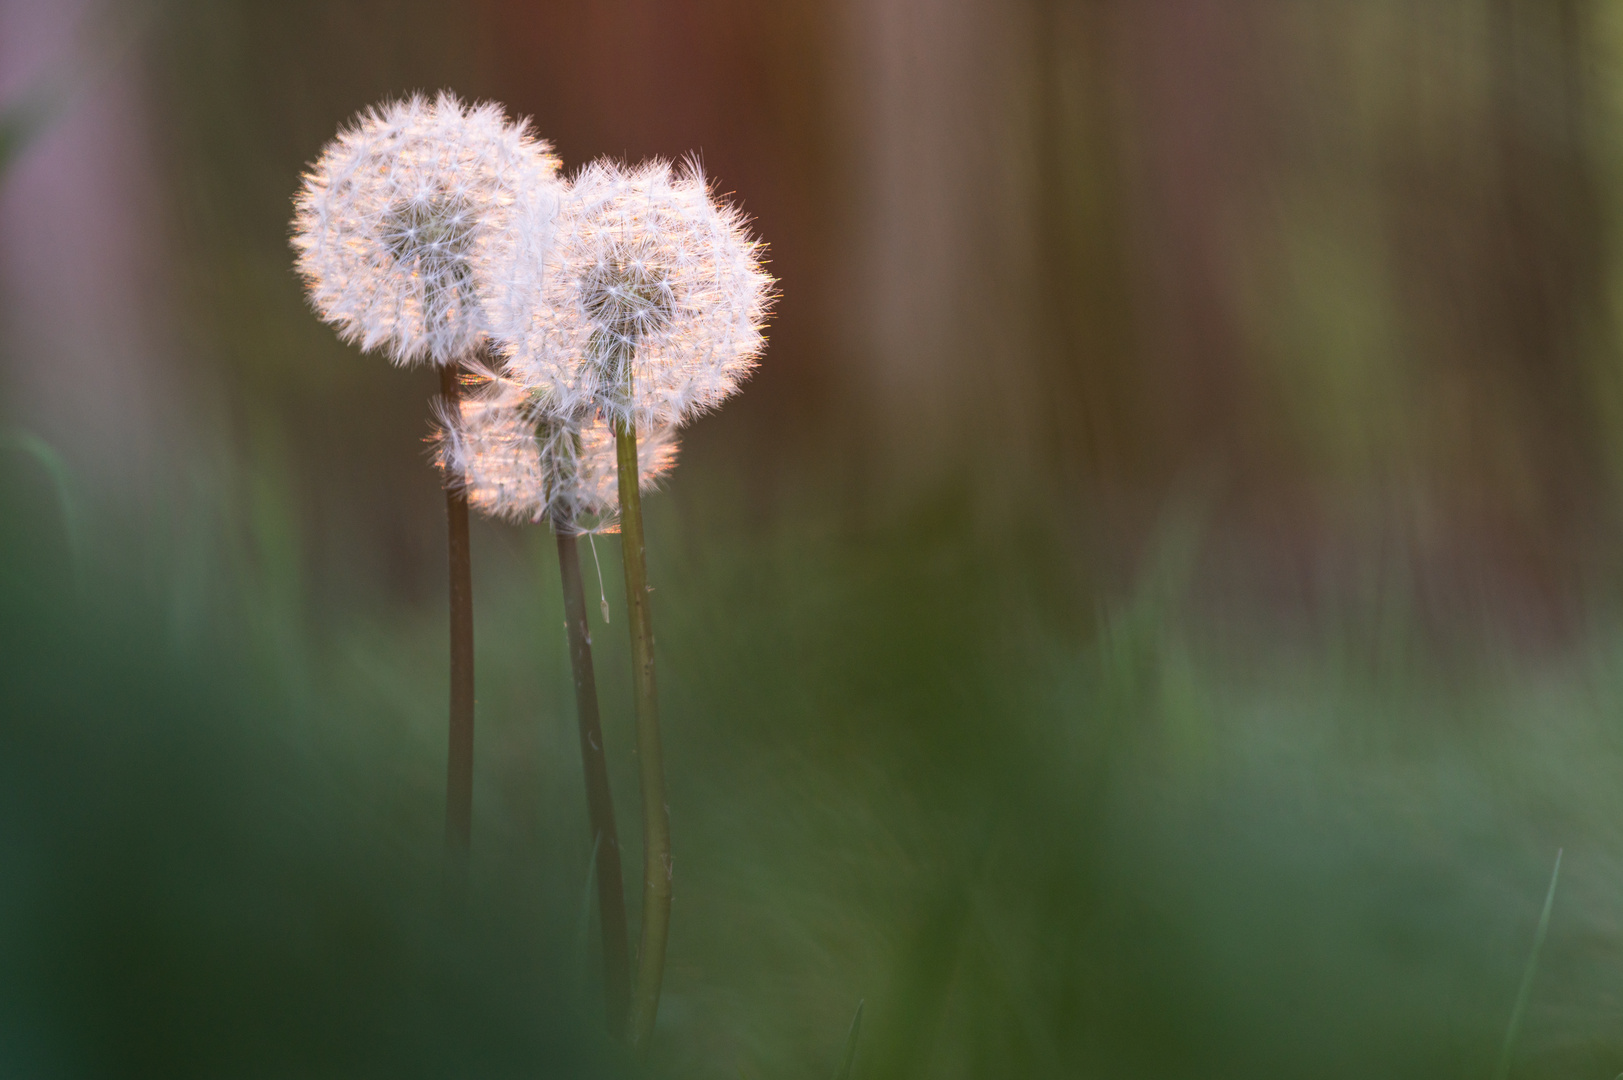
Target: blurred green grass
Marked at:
1150, 850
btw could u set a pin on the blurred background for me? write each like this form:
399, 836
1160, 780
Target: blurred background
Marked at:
1155, 612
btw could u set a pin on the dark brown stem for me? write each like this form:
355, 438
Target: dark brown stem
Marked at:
611, 898
656, 824
459, 759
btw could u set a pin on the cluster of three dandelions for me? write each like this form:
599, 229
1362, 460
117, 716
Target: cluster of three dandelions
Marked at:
595, 312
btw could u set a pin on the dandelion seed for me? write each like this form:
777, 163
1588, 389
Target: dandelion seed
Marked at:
602, 593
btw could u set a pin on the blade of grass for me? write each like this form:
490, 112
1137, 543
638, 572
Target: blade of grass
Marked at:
583, 926
849, 1061
56, 470
1526, 991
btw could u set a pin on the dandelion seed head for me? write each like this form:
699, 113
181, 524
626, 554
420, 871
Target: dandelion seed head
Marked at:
519, 463
391, 215
652, 306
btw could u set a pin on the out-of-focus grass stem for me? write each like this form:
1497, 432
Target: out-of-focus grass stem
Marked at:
599, 800
1526, 990
848, 1060
56, 470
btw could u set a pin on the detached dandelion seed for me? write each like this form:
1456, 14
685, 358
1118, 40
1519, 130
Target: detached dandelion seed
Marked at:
603, 594
386, 227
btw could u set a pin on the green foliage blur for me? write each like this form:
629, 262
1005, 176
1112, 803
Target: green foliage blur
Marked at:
1153, 614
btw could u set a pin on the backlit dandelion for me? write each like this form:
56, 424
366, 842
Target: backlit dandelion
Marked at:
386, 226
649, 312
518, 464
653, 304
391, 214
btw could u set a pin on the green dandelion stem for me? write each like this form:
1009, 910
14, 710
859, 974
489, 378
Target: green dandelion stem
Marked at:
656, 829
459, 758
611, 900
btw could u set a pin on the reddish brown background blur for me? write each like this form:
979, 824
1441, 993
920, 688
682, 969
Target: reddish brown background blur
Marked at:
1347, 275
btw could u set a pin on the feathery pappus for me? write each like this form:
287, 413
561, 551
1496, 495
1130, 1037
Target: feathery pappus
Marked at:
519, 464
390, 215
651, 309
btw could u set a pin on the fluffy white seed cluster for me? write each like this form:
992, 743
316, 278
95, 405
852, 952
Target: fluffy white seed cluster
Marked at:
630, 296
651, 307
390, 217
517, 464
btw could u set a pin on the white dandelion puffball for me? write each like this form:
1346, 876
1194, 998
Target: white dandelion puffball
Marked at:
652, 305
390, 215
520, 465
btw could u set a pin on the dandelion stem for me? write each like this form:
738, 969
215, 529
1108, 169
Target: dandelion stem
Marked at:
611, 900
459, 759
656, 828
